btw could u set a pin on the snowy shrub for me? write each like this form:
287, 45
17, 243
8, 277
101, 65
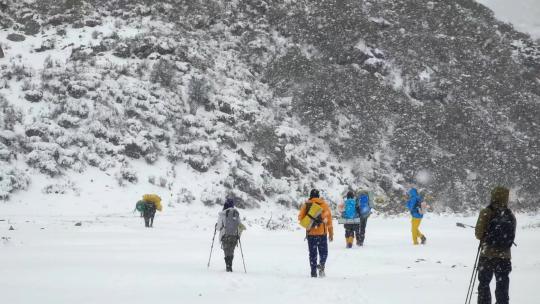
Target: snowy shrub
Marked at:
9, 115
77, 108
163, 72
61, 188
139, 147
67, 121
162, 182
199, 89
200, 155
18, 71
12, 180
44, 158
244, 181
126, 174
152, 179
76, 91
184, 196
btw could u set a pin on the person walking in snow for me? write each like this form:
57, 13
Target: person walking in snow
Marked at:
147, 207
496, 229
230, 228
350, 211
319, 233
415, 207
364, 210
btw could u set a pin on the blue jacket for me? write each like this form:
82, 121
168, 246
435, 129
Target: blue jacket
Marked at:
365, 208
350, 210
413, 204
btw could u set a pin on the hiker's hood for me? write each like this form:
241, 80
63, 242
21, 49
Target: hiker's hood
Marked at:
499, 197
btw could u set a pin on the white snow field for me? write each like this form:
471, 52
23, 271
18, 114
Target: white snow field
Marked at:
113, 258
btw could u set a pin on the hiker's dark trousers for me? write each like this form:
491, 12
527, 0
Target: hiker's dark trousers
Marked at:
228, 243
362, 235
148, 213
501, 268
317, 243
351, 230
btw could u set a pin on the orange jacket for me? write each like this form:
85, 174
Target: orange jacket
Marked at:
326, 214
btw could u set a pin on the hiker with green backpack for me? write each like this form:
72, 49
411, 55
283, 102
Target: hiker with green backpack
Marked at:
496, 230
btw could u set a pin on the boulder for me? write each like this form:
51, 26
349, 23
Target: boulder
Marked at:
92, 23
33, 96
16, 37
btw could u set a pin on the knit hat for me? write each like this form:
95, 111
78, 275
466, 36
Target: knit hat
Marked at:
350, 194
499, 196
229, 203
314, 193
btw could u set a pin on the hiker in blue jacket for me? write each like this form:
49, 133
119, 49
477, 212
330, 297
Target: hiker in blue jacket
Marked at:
365, 211
414, 204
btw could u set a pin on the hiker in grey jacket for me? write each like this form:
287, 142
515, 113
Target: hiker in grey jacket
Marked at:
230, 228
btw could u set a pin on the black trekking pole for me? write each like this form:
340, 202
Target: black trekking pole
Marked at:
212, 247
470, 291
242, 253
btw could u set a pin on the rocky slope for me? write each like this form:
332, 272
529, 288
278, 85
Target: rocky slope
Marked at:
266, 99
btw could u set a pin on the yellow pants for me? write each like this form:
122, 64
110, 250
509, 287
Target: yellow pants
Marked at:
416, 234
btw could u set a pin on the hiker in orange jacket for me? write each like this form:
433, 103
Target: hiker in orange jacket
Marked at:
317, 234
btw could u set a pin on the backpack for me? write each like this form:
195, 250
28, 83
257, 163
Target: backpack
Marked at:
351, 209
316, 220
232, 221
364, 204
140, 206
501, 229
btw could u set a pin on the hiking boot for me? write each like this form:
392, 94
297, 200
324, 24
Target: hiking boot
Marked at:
228, 264
321, 271
359, 244
349, 245
423, 240
313, 272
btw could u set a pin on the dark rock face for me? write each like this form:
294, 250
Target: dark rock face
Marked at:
16, 37
33, 96
92, 23
1, 52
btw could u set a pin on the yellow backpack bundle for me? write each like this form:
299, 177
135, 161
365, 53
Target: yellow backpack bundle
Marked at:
154, 199
313, 213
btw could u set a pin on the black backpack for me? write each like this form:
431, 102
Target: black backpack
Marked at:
501, 229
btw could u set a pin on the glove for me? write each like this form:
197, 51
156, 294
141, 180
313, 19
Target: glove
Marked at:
331, 237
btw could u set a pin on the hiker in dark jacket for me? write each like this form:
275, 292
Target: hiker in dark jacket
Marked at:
365, 210
230, 228
494, 260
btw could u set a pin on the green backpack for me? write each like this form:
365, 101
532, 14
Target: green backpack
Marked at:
140, 206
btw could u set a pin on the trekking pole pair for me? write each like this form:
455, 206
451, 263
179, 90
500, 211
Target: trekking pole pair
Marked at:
470, 291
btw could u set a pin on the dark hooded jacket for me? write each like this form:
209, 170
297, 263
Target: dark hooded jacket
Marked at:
499, 200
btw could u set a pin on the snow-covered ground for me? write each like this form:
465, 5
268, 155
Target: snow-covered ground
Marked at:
112, 258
